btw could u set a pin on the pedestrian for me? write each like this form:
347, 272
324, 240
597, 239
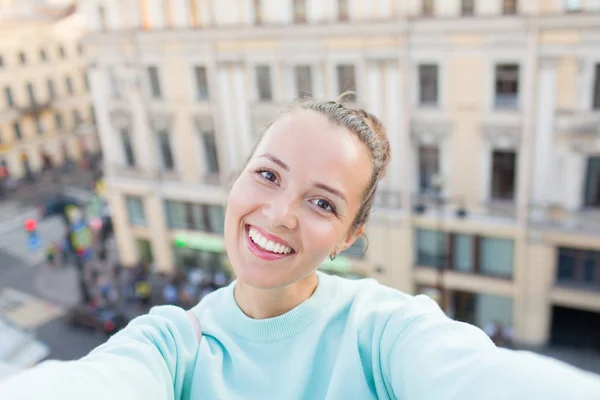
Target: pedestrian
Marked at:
283, 329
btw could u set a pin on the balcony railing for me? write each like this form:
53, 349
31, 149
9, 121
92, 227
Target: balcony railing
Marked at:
33, 109
585, 220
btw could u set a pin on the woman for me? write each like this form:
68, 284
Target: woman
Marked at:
284, 330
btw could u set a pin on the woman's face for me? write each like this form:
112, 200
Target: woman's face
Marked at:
295, 201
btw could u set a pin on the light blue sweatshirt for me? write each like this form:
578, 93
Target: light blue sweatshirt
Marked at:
350, 340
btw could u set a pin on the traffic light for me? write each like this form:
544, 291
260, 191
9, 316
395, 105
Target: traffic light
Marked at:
30, 225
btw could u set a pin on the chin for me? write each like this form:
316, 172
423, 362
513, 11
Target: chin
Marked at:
263, 277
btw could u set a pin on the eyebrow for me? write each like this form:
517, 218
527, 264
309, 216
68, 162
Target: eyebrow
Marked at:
275, 160
317, 185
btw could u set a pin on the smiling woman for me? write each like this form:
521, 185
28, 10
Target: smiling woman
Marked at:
282, 330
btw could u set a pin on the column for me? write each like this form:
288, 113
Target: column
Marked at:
181, 15
543, 152
533, 309
111, 145
156, 11
244, 123
143, 137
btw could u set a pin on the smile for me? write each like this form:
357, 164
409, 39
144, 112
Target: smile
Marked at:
266, 246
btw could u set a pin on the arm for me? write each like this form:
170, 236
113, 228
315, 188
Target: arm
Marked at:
425, 355
152, 358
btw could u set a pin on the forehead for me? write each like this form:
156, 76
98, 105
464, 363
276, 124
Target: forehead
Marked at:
307, 142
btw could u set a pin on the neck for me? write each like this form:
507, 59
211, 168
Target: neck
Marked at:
268, 303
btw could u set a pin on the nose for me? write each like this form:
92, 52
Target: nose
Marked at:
280, 211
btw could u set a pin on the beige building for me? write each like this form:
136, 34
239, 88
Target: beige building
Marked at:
45, 105
492, 201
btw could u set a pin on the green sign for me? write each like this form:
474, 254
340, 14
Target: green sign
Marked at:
198, 241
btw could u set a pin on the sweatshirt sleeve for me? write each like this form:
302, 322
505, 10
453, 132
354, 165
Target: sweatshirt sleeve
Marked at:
426, 355
152, 358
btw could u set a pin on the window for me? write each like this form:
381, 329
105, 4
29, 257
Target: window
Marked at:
127, 148
43, 55
462, 257
468, 7
93, 114
51, 91
195, 217
210, 152
464, 253
592, 183
428, 8
164, 148
573, 5
77, 118
346, 81
507, 86
303, 74
155, 91
299, 11
61, 52
596, 104
17, 129
482, 310
578, 266
201, 83
86, 81
1, 62
31, 94
22, 58
258, 20
496, 257
10, 101
509, 7
428, 84
58, 120
102, 17
503, 175
263, 83
343, 11
135, 209
431, 248
39, 128
80, 48
69, 84
429, 168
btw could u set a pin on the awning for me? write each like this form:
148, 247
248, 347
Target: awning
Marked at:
199, 241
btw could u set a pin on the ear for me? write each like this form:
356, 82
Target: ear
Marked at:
350, 239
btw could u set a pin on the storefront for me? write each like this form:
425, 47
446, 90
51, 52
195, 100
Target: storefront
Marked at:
201, 251
207, 252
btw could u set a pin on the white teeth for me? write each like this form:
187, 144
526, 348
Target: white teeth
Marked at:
266, 244
263, 242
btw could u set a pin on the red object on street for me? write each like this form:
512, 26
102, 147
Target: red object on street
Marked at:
30, 225
96, 223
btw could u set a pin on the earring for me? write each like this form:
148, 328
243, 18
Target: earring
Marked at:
332, 256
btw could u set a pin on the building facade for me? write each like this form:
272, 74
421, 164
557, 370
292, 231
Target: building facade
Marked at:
492, 199
46, 115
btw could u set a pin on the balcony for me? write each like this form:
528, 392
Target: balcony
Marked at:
556, 217
33, 109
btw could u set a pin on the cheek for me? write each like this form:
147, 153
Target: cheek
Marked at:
319, 235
